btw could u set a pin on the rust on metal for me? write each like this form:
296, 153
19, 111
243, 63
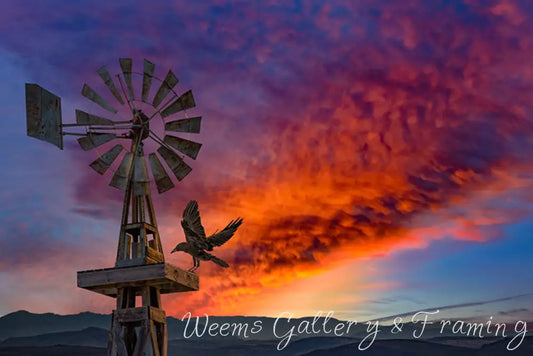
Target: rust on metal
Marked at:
120, 178
93, 96
106, 77
162, 180
125, 65
166, 86
175, 162
184, 102
84, 118
43, 115
102, 163
148, 73
93, 140
190, 148
191, 125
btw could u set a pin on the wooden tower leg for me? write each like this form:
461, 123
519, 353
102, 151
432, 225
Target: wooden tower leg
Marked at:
138, 331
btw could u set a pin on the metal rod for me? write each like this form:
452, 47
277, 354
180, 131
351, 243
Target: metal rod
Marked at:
74, 134
113, 124
157, 139
164, 106
86, 133
112, 127
124, 92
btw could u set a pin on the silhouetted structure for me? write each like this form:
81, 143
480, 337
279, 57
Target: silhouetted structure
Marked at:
140, 268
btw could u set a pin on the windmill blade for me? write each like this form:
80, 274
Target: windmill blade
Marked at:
102, 163
84, 118
120, 178
106, 77
125, 65
93, 140
148, 73
191, 125
43, 115
166, 86
184, 102
93, 96
187, 147
141, 182
162, 180
175, 163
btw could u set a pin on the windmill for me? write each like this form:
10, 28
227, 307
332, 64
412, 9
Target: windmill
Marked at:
124, 130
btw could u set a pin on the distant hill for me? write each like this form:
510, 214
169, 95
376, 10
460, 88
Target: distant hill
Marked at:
23, 323
424, 348
92, 336
53, 351
27, 334
23, 333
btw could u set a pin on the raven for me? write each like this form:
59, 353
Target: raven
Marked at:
197, 243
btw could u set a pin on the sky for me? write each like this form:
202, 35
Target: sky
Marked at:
378, 152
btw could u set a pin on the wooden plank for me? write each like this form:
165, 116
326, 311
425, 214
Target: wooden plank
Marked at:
119, 343
134, 250
168, 278
145, 292
130, 315
158, 315
153, 334
131, 262
155, 297
165, 340
120, 300
184, 277
140, 347
154, 254
127, 252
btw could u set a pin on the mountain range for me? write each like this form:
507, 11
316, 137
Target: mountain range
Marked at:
23, 333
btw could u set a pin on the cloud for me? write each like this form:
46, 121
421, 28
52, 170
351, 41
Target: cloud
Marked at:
455, 306
333, 129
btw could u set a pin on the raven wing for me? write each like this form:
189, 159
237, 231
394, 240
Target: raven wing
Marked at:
219, 238
192, 226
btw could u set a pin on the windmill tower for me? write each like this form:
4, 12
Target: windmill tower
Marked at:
140, 272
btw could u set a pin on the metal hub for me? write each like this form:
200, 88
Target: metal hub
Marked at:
141, 125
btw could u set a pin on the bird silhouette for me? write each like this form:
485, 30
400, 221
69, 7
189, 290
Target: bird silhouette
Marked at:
197, 243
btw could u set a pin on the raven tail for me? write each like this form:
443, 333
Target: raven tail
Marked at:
218, 261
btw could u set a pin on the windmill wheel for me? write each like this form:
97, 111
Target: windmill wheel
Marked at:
131, 121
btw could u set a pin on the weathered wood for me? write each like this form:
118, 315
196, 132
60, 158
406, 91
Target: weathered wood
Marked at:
155, 297
158, 315
152, 338
165, 339
154, 254
140, 347
128, 247
146, 301
185, 277
119, 345
153, 334
166, 277
130, 315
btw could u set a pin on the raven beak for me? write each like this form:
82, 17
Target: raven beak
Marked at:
174, 250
